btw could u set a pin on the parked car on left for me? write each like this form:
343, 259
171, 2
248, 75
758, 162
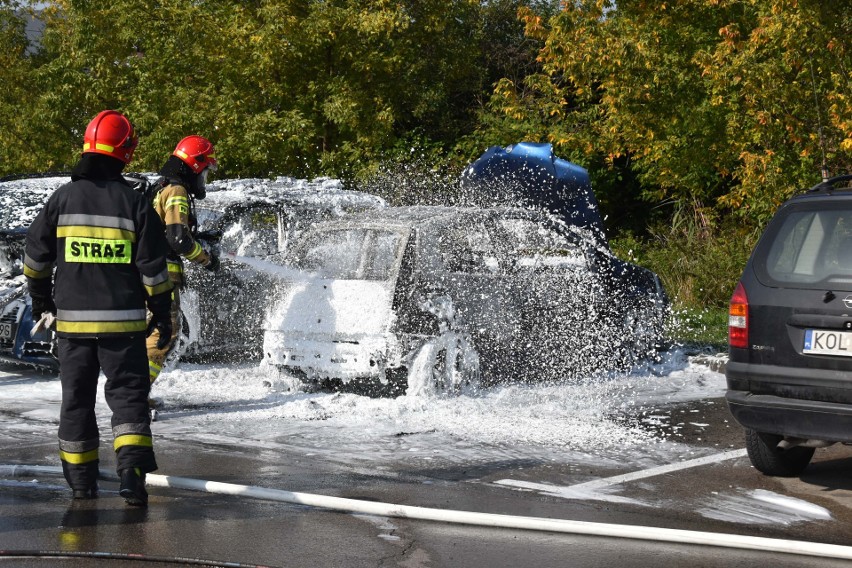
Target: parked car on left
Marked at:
21, 198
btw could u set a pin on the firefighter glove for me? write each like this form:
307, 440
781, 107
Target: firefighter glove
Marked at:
42, 305
163, 324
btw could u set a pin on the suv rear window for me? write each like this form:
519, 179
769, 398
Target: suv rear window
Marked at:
808, 247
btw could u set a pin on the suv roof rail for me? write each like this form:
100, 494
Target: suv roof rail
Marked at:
828, 185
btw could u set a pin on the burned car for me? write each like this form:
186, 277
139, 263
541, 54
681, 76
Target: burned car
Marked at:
517, 282
444, 298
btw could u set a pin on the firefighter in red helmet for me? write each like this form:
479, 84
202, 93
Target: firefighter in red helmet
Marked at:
184, 179
96, 258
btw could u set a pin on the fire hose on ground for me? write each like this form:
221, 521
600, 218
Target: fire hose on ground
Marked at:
676, 536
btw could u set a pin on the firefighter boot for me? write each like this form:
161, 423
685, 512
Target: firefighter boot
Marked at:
133, 487
90, 492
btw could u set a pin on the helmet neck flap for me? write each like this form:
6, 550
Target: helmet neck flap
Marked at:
177, 171
97, 167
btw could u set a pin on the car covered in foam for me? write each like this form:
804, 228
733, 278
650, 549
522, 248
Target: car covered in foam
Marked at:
445, 298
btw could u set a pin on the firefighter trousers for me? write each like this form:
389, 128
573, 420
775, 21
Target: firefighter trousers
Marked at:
124, 362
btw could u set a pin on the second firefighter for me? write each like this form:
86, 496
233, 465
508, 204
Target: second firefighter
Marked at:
184, 179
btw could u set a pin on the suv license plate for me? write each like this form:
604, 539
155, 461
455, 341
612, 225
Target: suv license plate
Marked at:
828, 342
5, 330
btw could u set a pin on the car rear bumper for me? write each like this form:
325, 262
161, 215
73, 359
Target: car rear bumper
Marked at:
796, 418
365, 357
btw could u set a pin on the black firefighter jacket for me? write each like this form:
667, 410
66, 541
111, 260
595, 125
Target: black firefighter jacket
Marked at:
109, 249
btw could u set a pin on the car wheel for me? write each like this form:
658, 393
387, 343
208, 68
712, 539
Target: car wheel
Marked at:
645, 327
448, 364
182, 341
768, 459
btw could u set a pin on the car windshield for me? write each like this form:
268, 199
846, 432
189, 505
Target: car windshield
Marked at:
349, 254
810, 248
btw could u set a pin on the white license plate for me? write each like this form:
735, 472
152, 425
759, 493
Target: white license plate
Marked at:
5, 330
823, 342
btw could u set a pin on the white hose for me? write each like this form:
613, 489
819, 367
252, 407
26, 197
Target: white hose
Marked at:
472, 518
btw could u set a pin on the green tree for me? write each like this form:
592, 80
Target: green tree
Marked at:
281, 86
782, 78
18, 145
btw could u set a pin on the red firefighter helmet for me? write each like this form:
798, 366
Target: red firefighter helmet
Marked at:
196, 152
110, 133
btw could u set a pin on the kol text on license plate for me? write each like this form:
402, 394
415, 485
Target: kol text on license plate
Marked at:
828, 342
5, 330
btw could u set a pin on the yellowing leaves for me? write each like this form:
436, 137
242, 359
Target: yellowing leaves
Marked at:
709, 98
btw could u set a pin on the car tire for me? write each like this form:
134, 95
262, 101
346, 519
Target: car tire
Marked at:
182, 342
395, 383
448, 364
646, 327
768, 459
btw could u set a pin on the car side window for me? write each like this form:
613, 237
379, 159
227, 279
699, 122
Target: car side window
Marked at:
531, 244
468, 248
256, 232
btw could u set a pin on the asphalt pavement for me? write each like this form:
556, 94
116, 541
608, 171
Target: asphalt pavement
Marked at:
707, 485
41, 526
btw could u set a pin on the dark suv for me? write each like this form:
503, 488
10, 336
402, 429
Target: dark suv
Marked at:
790, 332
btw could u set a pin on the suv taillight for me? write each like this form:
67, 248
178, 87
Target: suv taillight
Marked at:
738, 318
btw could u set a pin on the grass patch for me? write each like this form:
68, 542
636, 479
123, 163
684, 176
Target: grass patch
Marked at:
699, 326
699, 265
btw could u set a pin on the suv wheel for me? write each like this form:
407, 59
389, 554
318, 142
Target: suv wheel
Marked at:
768, 459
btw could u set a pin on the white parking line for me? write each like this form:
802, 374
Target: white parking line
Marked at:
633, 476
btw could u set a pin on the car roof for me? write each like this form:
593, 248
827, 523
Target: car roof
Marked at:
320, 193
437, 217
826, 189
843, 193
22, 197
